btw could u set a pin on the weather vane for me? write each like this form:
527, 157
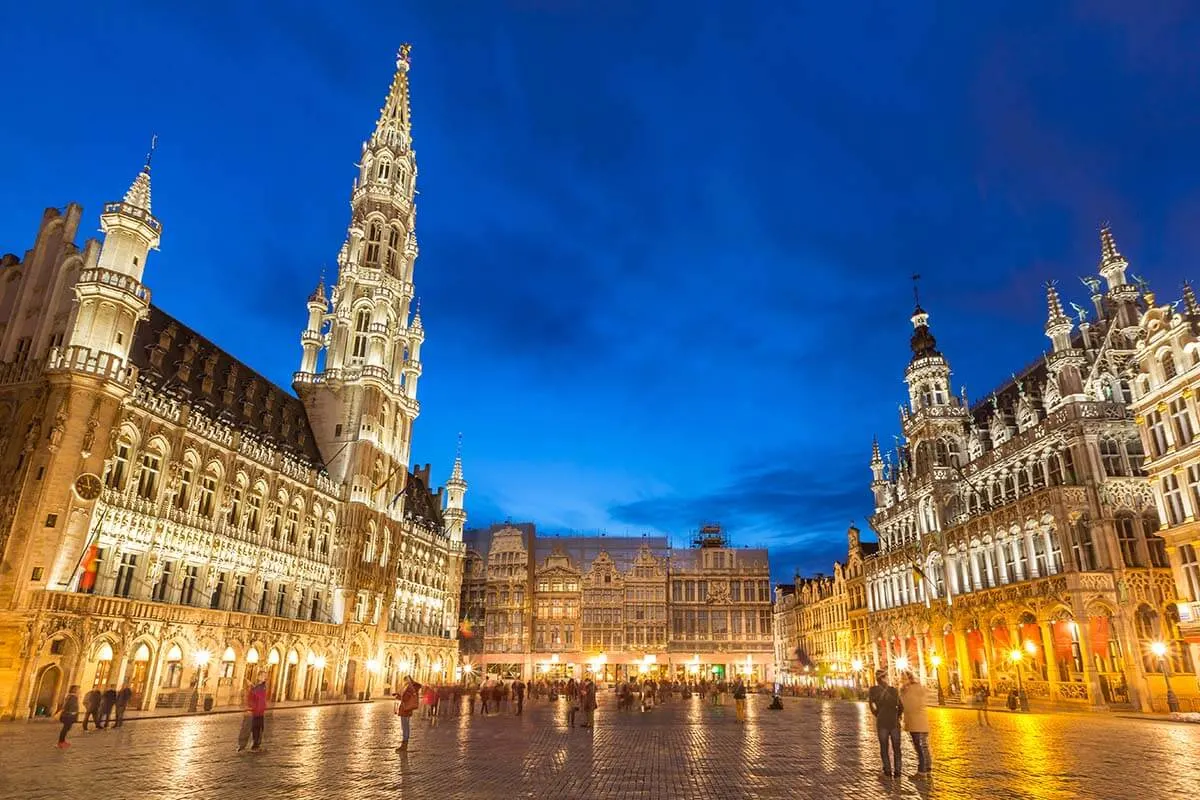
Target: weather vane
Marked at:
916, 286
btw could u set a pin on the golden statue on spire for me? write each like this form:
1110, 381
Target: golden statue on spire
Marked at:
404, 56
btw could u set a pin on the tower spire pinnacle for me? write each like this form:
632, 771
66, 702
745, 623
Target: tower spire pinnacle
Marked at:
1056, 316
457, 474
138, 195
1112, 263
394, 127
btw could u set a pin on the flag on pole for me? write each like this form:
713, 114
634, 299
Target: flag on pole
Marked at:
466, 630
918, 575
91, 565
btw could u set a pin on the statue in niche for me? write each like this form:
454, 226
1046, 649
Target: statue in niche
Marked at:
60, 426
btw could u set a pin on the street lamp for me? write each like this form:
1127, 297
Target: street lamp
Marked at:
936, 661
901, 665
372, 669
1159, 649
856, 665
319, 665
1016, 657
201, 659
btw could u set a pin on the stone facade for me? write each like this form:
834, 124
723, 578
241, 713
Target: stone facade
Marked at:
1164, 402
821, 627
172, 520
1019, 535
561, 606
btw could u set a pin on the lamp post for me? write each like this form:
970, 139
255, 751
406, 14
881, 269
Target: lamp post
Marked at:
1016, 657
372, 669
1159, 649
319, 666
936, 661
856, 665
201, 659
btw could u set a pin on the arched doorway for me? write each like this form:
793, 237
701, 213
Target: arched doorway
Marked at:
104, 662
45, 696
351, 678
139, 667
289, 675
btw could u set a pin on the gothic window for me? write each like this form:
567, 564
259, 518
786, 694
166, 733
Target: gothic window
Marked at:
293, 520
1158, 550
324, 543
384, 170
253, 512
235, 506
187, 591
362, 321
1135, 455
218, 592
1085, 549
392, 256
162, 589
208, 493
114, 477
148, 478
125, 575
184, 495
374, 237
1181, 422
1127, 540
1111, 457
239, 593
1173, 499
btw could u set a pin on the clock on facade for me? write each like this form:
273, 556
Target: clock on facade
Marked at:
88, 486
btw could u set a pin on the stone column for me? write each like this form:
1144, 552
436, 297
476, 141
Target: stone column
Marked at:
1030, 554
1095, 696
965, 675
921, 658
1048, 654
989, 654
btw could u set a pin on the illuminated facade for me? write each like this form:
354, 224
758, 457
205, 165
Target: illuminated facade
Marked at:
821, 629
1164, 392
1019, 536
173, 520
560, 606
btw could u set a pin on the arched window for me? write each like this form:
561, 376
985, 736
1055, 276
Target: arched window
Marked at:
374, 237
1112, 457
384, 170
362, 321
187, 479
1127, 539
253, 512
1168, 367
392, 255
118, 467
147, 487
208, 494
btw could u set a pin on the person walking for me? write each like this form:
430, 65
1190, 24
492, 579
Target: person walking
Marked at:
68, 715
108, 701
123, 698
739, 699
587, 699
406, 703
884, 702
913, 701
256, 707
981, 703
519, 694
91, 708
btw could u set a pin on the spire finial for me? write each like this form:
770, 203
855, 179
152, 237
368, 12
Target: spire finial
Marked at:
153, 147
457, 473
1189, 299
916, 279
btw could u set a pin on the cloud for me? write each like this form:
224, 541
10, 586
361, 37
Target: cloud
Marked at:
799, 510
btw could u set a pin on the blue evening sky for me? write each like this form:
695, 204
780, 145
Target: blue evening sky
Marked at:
665, 246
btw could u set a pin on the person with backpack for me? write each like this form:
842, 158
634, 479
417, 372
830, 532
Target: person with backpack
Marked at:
406, 703
884, 702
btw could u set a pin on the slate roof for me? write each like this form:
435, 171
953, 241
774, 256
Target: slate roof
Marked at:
177, 361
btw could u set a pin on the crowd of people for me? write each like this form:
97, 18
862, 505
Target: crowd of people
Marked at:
894, 708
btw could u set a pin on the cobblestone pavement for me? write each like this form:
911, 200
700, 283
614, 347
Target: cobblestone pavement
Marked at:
683, 749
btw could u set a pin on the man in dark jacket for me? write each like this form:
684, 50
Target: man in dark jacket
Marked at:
884, 702
123, 698
68, 715
91, 708
108, 701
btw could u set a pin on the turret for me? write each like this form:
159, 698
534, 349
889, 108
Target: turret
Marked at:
455, 513
879, 483
311, 339
1121, 294
110, 297
1058, 324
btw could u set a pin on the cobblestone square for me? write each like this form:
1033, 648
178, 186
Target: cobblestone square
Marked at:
683, 749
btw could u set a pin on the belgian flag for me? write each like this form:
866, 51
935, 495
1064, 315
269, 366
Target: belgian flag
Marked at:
917, 574
466, 630
91, 565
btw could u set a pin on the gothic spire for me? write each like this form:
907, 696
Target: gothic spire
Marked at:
456, 474
1112, 263
138, 195
1189, 300
1056, 317
394, 127
876, 458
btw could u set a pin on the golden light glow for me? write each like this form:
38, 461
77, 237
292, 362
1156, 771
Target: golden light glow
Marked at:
437, 667
1030, 647
1158, 649
554, 658
202, 657
902, 662
856, 664
1015, 655
319, 662
373, 664
936, 660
